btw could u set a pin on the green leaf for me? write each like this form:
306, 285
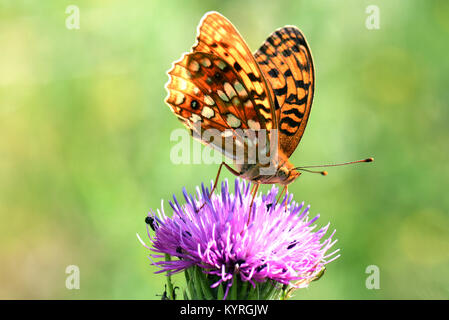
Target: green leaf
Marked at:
232, 295
253, 293
186, 297
243, 292
191, 283
268, 289
220, 293
202, 280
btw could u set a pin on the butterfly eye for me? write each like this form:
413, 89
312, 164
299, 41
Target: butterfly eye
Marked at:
283, 172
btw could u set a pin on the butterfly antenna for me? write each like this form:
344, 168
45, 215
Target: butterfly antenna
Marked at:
324, 173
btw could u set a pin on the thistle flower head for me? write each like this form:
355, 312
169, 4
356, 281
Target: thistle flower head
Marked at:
279, 242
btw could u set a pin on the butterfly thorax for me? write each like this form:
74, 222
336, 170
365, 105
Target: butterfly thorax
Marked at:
279, 171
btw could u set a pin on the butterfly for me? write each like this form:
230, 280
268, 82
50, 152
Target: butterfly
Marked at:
220, 90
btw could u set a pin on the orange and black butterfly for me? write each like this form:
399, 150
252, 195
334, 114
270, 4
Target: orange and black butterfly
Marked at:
221, 85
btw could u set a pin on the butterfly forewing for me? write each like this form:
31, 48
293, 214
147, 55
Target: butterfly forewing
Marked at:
286, 62
218, 36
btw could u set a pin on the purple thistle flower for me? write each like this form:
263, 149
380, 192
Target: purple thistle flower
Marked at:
277, 244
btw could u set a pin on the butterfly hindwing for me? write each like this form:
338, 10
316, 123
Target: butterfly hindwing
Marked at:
206, 93
286, 62
188, 102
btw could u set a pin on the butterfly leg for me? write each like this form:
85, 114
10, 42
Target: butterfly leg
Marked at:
234, 172
255, 188
280, 195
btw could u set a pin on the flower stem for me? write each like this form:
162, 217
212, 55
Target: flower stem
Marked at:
171, 292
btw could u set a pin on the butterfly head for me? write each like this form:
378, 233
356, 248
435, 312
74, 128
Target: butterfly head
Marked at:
286, 174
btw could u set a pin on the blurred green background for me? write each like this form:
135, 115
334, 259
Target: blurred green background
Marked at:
85, 148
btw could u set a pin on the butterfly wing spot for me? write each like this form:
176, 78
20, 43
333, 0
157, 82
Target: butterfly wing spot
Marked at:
236, 102
196, 91
194, 66
252, 77
233, 121
206, 62
253, 125
237, 67
209, 100
195, 118
273, 73
230, 92
248, 104
208, 113
194, 104
220, 64
240, 89
179, 98
222, 96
